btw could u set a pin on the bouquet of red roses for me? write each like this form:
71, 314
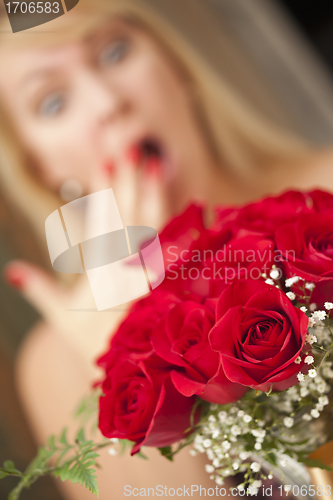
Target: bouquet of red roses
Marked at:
231, 353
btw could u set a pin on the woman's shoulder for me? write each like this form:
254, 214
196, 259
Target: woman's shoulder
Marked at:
313, 169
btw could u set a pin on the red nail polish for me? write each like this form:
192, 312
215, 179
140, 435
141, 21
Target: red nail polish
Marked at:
134, 155
109, 168
14, 278
153, 166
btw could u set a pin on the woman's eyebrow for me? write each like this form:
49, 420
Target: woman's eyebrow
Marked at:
37, 74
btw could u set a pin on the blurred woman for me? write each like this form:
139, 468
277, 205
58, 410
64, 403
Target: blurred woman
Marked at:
117, 97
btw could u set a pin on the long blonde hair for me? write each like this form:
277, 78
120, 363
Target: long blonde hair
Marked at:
242, 139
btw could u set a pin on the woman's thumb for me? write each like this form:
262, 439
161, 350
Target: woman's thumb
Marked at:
35, 284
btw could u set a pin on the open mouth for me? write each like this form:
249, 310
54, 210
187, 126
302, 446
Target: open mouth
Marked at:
150, 148
150, 153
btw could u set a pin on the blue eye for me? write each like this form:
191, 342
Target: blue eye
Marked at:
51, 106
114, 52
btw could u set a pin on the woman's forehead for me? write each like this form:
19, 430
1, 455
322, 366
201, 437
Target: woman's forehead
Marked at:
38, 59
26, 65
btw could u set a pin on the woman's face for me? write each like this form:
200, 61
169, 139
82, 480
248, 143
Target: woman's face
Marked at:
88, 105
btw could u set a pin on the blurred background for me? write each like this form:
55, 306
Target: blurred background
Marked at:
290, 42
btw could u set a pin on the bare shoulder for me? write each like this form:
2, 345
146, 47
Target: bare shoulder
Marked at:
50, 380
314, 171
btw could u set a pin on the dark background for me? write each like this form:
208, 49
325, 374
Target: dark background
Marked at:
315, 20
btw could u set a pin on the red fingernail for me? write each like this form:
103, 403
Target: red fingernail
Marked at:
153, 166
14, 277
134, 155
109, 168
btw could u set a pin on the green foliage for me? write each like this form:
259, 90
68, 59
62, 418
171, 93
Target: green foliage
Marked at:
167, 452
72, 460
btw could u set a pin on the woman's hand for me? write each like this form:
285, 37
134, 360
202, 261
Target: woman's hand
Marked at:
71, 312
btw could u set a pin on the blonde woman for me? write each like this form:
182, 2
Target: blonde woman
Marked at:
115, 95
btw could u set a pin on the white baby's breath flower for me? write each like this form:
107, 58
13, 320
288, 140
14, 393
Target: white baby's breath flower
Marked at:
257, 446
321, 388
219, 481
212, 419
216, 433
311, 323
210, 454
269, 281
328, 306
307, 417
114, 440
275, 274
291, 295
235, 465
304, 392
309, 360
222, 416
270, 476
247, 419
300, 376
112, 451
288, 421
313, 306
310, 286
312, 373
255, 466
291, 281
314, 413
244, 455
209, 468
241, 413
193, 453
303, 309
323, 400
235, 430
311, 339
207, 443
319, 316
298, 360
226, 445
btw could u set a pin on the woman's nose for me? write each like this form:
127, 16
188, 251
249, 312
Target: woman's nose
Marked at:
104, 102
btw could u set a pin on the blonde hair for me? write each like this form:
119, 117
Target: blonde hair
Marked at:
241, 138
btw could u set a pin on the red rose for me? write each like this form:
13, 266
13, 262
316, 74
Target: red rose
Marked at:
181, 339
217, 259
259, 334
264, 216
182, 230
141, 404
132, 339
321, 200
242, 258
307, 246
